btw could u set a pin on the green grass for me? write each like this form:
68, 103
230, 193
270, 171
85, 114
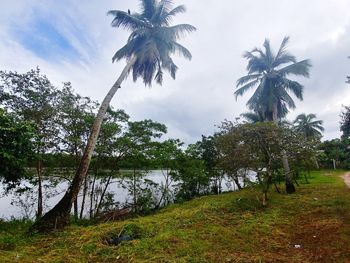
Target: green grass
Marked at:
232, 227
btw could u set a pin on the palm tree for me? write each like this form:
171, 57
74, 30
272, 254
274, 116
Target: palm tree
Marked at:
309, 126
268, 73
148, 52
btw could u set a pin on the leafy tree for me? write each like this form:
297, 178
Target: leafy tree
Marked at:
256, 147
268, 74
15, 148
302, 153
191, 177
75, 117
209, 154
125, 144
233, 159
308, 125
259, 148
337, 150
148, 51
32, 97
107, 156
166, 156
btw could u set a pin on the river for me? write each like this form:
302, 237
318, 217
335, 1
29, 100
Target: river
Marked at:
16, 205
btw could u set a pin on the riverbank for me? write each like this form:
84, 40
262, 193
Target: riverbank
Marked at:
312, 225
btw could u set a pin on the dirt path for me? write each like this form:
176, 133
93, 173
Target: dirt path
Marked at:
346, 178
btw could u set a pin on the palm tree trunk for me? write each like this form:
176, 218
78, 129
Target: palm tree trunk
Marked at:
58, 217
290, 188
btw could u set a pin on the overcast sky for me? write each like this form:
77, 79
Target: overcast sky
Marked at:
72, 40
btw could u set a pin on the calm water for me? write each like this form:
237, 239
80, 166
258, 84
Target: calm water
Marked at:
16, 205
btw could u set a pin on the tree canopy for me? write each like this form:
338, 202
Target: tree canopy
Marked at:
153, 39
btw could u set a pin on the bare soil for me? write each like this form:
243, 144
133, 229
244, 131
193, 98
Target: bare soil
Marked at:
346, 178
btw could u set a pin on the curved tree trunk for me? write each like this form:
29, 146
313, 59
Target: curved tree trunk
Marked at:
58, 217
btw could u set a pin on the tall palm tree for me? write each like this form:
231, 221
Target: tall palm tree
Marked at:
268, 74
309, 126
148, 52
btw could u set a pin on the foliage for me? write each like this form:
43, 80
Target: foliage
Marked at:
15, 148
31, 97
191, 178
166, 156
268, 74
127, 144
143, 192
337, 150
152, 40
258, 147
308, 126
75, 116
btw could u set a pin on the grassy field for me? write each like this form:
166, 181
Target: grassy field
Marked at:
312, 225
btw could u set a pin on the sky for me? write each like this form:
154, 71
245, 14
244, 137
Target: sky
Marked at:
72, 40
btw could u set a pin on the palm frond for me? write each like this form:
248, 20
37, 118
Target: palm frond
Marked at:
171, 14
181, 50
252, 117
295, 87
148, 8
282, 110
246, 87
268, 52
159, 75
311, 116
243, 80
179, 30
125, 52
123, 19
300, 117
284, 59
255, 102
284, 96
162, 9
152, 40
300, 68
169, 65
283, 56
